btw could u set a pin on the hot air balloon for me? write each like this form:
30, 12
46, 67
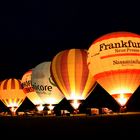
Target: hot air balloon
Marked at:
12, 94
114, 61
45, 86
70, 71
30, 92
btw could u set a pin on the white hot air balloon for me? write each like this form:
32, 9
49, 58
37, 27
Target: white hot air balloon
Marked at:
45, 86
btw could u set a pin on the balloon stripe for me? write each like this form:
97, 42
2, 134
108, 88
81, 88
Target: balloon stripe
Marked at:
126, 94
79, 68
71, 71
85, 74
57, 73
9, 84
90, 85
64, 72
19, 84
13, 82
122, 54
116, 35
4, 84
106, 73
55, 68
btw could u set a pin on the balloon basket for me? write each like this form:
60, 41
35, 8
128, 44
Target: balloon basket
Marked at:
123, 109
76, 111
75, 104
40, 108
13, 111
50, 112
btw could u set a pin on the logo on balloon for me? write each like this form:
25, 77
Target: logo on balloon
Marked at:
51, 81
126, 62
121, 44
26, 84
42, 89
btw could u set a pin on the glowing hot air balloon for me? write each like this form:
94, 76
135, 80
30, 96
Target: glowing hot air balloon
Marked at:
70, 72
114, 61
30, 92
44, 85
12, 94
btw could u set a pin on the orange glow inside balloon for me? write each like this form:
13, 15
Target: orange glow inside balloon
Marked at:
75, 104
40, 107
122, 98
50, 107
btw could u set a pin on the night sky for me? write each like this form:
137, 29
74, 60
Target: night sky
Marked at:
35, 31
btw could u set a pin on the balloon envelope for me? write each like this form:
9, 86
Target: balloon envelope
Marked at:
11, 93
70, 72
44, 85
114, 61
28, 89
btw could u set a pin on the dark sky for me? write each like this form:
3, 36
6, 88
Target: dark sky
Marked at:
35, 31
